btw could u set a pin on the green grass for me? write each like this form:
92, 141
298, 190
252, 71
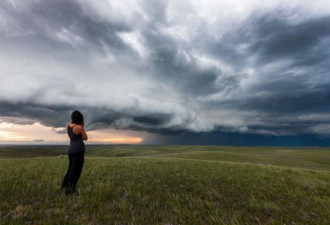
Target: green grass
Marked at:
168, 185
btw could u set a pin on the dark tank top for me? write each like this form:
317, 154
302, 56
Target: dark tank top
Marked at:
76, 141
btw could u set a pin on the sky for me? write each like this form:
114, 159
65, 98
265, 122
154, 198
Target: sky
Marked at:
249, 72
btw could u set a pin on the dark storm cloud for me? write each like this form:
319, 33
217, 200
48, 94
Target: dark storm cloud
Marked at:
43, 26
277, 39
301, 85
50, 116
174, 63
297, 83
146, 67
59, 116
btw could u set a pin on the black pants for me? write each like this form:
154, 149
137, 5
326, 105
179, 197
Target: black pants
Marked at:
76, 162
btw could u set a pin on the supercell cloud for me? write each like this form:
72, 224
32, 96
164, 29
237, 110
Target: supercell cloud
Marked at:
167, 67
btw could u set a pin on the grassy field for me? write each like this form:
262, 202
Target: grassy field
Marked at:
167, 185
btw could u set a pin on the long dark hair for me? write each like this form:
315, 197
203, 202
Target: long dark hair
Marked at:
77, 118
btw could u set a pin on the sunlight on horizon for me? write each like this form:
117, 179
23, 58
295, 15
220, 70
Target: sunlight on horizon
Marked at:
120, 140
38, 133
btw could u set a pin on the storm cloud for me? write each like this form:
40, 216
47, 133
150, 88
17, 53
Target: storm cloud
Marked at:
168, 67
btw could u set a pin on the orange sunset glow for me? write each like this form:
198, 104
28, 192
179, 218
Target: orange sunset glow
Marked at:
127, 140
37, 132
110, 136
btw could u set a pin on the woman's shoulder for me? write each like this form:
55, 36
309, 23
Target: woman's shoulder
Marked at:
78, 127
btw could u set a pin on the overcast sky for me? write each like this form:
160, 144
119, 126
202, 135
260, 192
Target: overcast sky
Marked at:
222, 72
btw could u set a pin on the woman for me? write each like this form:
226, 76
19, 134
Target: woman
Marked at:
77, 134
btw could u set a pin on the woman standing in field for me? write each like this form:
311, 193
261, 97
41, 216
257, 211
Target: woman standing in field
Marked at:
77, 134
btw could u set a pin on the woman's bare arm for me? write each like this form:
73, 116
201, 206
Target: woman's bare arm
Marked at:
83, 133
